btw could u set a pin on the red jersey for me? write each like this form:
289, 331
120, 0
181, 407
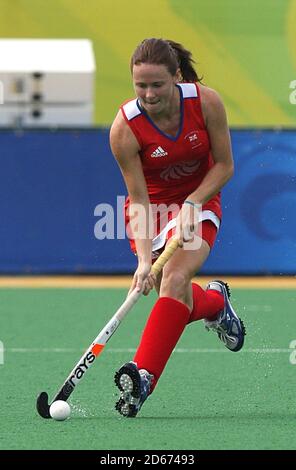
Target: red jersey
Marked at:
174, 166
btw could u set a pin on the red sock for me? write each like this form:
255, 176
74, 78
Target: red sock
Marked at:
206, 304
164, 327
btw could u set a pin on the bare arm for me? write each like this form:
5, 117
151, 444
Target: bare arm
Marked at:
125, 148
221, 171
216, 123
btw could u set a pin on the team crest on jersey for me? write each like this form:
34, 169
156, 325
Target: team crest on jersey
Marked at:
159, 152
180, 170
193, 138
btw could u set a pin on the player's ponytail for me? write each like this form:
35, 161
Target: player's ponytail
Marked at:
186, 62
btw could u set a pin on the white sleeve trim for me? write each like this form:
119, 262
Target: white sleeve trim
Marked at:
131, 109
189, 90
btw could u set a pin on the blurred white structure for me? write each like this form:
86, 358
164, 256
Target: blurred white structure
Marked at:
46, 82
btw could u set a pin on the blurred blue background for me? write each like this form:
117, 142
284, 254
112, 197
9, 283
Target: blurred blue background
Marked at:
52, 181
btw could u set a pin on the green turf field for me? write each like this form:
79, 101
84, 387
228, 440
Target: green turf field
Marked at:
207, 398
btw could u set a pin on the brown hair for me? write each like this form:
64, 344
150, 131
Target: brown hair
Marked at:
166, 52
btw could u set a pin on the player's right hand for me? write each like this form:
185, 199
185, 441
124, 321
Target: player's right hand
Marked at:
143, 280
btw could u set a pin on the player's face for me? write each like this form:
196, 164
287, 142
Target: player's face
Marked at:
154, 86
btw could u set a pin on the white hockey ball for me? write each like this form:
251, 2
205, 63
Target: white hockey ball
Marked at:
59, 410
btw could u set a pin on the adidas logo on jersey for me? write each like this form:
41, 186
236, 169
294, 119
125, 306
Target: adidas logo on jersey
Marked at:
159, 152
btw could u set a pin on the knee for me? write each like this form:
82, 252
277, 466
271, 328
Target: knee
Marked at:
174, 284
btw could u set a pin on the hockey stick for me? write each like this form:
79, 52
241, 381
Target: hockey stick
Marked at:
100, 341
